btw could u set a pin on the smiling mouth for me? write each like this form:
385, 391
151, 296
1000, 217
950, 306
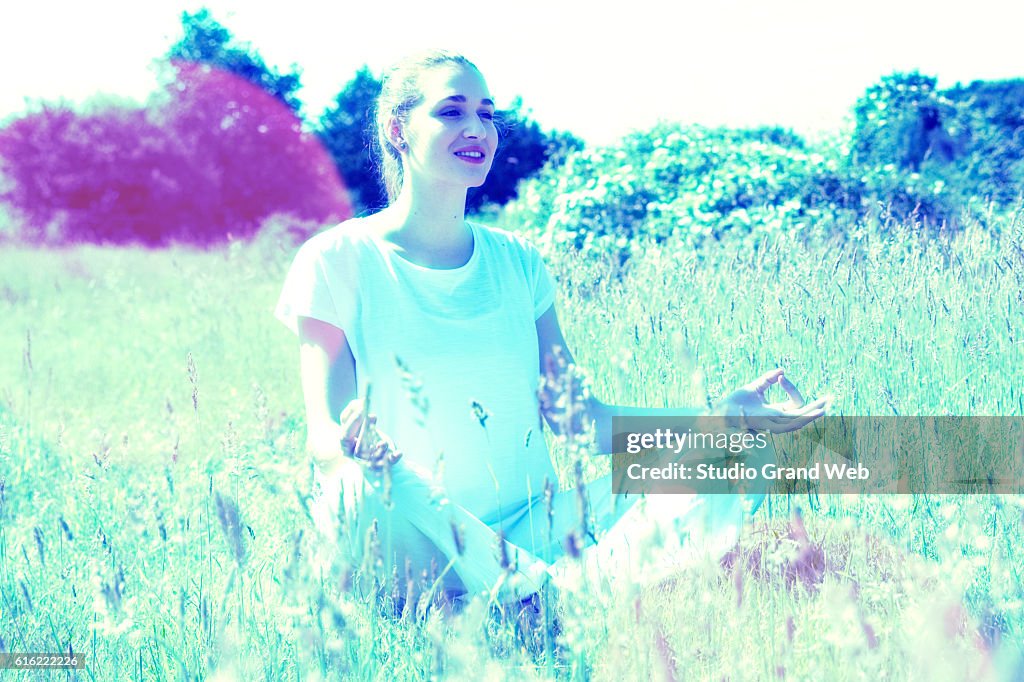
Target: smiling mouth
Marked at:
470, 156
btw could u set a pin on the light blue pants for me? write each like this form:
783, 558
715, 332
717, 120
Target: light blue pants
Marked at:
406, 529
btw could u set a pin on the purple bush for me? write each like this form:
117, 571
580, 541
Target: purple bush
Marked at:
213, 155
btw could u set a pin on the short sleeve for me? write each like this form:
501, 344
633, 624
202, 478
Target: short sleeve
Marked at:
316, 286
541, 282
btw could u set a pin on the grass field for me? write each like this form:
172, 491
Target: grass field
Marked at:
153, 487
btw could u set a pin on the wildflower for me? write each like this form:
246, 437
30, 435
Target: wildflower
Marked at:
549, 502
115, 612
574, 545
373, 555
955, 621
737, 581
193, 378
24, 592
40, 546
227, 512
26, 357
582, 503
459, 536
509, 563
291, 571
666, 655
414, 389
67, 531
480, 413
869, 634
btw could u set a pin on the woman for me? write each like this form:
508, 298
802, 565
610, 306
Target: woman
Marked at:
450, 322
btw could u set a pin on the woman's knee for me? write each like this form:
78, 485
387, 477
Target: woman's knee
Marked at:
368, 508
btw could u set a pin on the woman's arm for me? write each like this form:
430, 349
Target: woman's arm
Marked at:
329, 389
744, 408
328, 385
552, 345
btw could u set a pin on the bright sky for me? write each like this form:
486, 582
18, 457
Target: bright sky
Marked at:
596, 70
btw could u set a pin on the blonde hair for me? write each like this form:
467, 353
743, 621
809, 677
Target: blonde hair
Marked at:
400, 91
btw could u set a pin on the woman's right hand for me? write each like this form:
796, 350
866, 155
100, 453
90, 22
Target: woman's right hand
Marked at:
748, 407
360, 439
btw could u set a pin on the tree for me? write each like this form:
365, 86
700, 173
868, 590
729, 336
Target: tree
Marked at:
106, 175
206, 41
523, 150
900, 120
237, 120
990, 120
216, 155
933, 151
248, 153
345, 130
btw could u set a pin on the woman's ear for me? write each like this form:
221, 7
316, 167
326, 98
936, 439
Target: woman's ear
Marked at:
395, 134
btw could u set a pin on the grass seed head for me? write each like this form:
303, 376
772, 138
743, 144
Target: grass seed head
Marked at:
480, 413
459, 536
37, 533
65, 529
549, 501
231, 525
574, 544
505, 559
193, 378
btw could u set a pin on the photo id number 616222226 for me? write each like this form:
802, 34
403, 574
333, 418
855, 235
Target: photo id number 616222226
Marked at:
41, 661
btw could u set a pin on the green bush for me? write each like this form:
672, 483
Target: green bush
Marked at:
991, 116
691, 182
916, 155
931, 153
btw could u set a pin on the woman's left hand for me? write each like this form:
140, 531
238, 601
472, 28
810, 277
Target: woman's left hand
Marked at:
748, 408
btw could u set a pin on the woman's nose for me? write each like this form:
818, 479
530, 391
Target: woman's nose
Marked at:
475, 129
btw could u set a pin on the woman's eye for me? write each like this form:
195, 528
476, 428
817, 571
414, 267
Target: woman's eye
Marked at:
487, 115
450, 113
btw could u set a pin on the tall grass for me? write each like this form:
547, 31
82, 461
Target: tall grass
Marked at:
153, 494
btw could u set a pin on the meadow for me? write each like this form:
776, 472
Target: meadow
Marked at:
154, 490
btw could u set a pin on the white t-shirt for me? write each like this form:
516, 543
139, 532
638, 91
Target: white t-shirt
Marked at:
462, 336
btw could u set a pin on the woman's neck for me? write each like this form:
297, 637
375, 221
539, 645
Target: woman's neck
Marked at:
430, 220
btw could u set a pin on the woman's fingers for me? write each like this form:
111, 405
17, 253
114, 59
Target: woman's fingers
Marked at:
351, 417
797, 423
781, 418
375, 457
766, 422
366, 445
354, 407
795, 399
384, 454
356, 426
785, 408
787, 422
351, 423
360, 439
762, 383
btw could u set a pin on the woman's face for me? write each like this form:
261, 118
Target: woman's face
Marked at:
450, 135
